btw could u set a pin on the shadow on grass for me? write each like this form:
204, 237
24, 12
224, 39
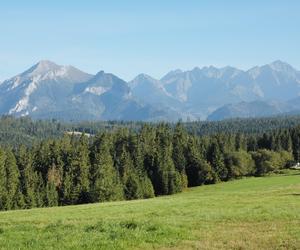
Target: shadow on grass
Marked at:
290, 194
280, 174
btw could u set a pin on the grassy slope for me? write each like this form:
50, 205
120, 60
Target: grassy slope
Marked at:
253, 213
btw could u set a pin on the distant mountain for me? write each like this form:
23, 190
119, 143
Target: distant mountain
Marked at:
48, 90
246, 110
206, 89
208, 84
107, 97
256, 109
40, 89
277, 80
203, 90
152, 91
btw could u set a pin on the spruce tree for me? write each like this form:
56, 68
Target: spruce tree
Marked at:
106, 185
129, 176
161, 169
28, 176
3, 191
80, 168
216, 160
198, 169
147, 187
179, 151
12, 178
51, 194
40, 192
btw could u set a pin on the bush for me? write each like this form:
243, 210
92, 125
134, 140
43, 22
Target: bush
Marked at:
269, 161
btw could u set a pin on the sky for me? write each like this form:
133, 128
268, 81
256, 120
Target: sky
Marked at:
128, 37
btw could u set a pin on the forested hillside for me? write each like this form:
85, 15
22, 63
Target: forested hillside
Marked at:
25, 131
126, 163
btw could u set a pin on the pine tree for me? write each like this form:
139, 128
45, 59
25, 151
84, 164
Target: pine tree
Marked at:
80, 168
132, 188
252, 143
147, 187
28, 176
67, 189
106, 185
51, 195
3, 193
40, 192
18, 200
160, 165
129, 176
216, 160
12, 178
179, 151
198, 169
240, 142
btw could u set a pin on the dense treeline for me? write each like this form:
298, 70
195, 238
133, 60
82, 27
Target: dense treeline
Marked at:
243, 125
25, 131
126, 164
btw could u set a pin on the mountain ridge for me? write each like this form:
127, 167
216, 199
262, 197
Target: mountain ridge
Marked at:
46, 89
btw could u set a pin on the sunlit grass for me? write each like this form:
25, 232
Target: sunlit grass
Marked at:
251, 213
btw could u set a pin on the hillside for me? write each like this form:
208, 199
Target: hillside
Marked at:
252, 213
27, 131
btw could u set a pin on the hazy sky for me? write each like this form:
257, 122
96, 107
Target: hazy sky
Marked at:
129, 37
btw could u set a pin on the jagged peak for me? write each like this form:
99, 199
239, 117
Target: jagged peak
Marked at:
106, 78
277, 66
144, 76
281, 66
100, 73
41, 68
172, 73
46, 63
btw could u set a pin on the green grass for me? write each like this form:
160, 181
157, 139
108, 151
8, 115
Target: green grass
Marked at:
252, 213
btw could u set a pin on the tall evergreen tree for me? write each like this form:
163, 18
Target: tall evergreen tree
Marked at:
12, 179
106, 185
3, 193
216, 160
80, 168
28, 176
51, 194
198, 169
179, 150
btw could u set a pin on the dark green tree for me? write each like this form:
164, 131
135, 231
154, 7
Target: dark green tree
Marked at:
12, 179
106, 184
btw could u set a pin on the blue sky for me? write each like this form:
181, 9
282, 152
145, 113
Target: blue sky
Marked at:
129, 37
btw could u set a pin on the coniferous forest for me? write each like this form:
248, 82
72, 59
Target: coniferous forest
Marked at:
125, 161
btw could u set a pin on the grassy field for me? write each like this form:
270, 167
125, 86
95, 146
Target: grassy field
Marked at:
252, 213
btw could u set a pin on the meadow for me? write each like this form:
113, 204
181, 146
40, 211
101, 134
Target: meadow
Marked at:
250, 213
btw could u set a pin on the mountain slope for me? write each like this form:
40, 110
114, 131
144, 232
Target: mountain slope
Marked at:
48, 90
151, 90
251, 109
108, 97
218, 86
42, 88
206, 89
277, 80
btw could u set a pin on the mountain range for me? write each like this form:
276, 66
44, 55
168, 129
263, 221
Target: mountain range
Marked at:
48, 90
